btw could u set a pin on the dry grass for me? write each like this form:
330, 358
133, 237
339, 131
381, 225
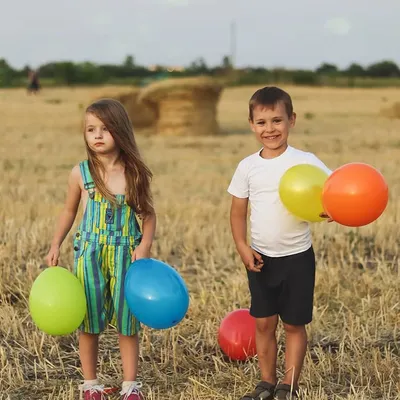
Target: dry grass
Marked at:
354, 338
393, 111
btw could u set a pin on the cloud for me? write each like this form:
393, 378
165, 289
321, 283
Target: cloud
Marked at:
338, 26
177, 3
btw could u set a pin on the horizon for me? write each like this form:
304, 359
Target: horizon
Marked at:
151, 67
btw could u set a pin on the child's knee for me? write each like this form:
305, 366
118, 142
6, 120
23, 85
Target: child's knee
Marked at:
267, 325
88, 334
134, 335
294, 329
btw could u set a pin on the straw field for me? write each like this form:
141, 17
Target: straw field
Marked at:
354, 339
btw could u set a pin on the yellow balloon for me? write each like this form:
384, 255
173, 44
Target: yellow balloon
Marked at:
300, 190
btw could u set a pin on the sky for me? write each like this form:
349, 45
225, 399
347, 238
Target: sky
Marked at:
289, 33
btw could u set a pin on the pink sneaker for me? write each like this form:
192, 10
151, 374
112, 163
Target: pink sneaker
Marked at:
94, 392
133, 392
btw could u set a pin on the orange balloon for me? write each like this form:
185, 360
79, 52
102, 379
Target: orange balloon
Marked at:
355, 194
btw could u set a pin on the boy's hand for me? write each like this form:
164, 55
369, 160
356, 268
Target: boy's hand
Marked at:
324, 215
52, 256
251, 259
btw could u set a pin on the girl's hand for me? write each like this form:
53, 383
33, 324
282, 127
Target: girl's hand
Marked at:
52, 256
251, 259
324, 215
141, 251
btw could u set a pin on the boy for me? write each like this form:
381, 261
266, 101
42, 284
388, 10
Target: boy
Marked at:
280, 262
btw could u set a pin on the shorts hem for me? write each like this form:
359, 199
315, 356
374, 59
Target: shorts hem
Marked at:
99, 331
262, 315
91, 331
130, 334
295, 322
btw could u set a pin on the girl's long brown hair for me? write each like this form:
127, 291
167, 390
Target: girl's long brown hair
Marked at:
138, 176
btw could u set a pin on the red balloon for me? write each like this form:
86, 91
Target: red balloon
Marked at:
355, 194
237, 335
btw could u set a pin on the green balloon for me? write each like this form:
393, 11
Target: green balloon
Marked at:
57, 301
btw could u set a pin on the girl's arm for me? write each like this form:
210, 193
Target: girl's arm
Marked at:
67, 216
148, 228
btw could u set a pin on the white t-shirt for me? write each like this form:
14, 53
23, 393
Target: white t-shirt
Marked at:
275, 232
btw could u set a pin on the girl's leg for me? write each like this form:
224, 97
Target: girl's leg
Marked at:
88, 349
88, 270
129, 348
127, 325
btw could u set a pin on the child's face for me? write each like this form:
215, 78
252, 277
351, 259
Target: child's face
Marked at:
99, 139
271, 126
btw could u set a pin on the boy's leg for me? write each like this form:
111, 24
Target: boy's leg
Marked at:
267, 347
296, 306
296, 346
264, 288
264, 291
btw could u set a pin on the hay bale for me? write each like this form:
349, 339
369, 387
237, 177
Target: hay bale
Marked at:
392, 112
141, 114
185, 107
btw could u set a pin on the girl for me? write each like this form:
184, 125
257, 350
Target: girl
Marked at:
114, 186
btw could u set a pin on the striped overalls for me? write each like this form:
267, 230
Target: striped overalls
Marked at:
102, 257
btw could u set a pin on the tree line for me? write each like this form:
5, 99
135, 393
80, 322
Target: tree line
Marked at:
67, 73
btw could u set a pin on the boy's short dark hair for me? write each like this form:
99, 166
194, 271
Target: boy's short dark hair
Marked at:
270, 96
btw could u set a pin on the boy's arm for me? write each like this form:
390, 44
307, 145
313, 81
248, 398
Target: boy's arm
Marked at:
238, 219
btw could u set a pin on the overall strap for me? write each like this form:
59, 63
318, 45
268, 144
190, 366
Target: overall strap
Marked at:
88, 182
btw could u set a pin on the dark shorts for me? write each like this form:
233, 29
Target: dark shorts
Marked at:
284, 287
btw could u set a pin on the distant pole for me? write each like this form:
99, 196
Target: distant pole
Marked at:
233, 44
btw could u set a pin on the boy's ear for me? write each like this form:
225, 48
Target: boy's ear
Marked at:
293, 120
251, 123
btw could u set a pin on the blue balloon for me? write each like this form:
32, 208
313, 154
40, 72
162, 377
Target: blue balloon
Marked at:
156, 294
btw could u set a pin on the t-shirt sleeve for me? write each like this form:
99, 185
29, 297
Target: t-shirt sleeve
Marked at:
314, 160
239, 186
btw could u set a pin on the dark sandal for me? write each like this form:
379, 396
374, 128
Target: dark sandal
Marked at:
263, 391
284, 391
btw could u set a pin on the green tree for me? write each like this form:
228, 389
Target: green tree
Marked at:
327, 69
6, 73
198, 66
129, 62
88, 73
226, 63
354, 70
304, 77
387, 69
